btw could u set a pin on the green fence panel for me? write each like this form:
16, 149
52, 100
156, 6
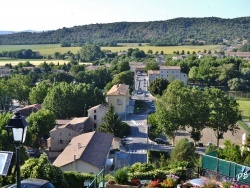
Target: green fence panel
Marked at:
209, 162
226, 169
232, 170
223, 167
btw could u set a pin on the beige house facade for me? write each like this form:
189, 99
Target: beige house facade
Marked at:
61, 136
5, 71
87, 153
96, 114
168, 72
118, 96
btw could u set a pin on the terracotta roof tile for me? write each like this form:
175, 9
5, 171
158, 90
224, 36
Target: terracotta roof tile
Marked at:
119, 89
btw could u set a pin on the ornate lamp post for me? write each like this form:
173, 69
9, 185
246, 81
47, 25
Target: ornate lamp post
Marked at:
17, 129
148, 129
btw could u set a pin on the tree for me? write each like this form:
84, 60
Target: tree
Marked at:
42, 168
224, 112
193, 74
126, 77
157, 86
90, 52
38, 93
236, 84
4, 141
123, 66
76, 69
40, 123
19, 87
151, 66
231, 152
68, 100
183, 151
198, 116
111, 122
171, 109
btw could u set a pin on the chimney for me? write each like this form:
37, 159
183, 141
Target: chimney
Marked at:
79, 145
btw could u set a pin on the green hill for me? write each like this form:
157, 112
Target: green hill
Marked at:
179, 31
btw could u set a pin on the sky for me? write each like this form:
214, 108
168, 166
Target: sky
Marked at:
43, 15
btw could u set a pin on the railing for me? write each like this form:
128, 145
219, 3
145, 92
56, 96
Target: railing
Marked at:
99, 178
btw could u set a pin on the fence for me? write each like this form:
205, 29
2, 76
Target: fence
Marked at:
99, 180
237, 94
222, 170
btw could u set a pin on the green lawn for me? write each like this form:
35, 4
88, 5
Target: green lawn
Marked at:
244, 107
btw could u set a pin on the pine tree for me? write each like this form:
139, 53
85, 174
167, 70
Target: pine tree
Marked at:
112, 122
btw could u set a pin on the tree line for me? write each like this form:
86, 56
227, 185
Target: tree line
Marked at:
182, 107
178, 31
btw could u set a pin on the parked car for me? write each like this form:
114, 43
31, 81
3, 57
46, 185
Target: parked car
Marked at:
126, 140
152, 105
33, 183
200, 144
161, 141
31, 152
209, 144
151, 111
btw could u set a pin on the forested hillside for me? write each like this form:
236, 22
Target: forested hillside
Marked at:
177, 31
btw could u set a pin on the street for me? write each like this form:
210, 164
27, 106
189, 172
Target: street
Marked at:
136, 150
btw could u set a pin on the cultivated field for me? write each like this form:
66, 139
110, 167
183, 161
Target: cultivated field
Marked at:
50, 49
166, 49
33, 62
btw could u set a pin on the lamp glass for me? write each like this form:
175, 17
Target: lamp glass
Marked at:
19, 134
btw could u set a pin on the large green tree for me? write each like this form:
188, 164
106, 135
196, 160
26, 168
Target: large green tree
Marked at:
19, 87
198, 113
223, 114
172, 108
39, 92
90, 52
158, 85
68, 100
40, 123
151, 66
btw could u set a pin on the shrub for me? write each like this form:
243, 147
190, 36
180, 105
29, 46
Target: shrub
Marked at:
121, 176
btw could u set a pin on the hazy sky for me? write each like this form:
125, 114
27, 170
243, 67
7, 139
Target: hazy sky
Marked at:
19, 15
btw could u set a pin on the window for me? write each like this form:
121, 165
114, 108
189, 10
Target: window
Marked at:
94, 111
95, 125
69, 134
60, 133
119, 102
60, 141
94, 117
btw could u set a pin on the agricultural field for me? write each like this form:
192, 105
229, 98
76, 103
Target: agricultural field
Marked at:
165, 49
14, 62
50, 49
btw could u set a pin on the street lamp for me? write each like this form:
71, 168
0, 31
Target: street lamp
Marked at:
17, 129
149, 125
